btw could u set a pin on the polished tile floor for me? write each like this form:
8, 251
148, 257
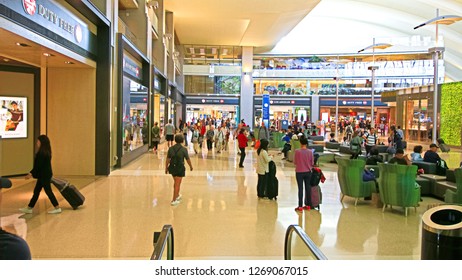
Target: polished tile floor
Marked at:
220, 216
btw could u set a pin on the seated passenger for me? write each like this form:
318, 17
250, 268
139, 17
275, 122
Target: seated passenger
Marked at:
287, 145
373, 157
400, 158
416, 155
431, 155
332, 138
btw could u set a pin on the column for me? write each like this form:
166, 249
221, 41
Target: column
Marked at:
246, 100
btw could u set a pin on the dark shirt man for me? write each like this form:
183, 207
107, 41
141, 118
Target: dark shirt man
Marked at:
12, 247
431, 155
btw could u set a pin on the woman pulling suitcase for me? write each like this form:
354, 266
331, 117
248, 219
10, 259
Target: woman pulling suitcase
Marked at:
43, 173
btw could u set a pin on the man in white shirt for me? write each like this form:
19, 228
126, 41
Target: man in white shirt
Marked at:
371, 140
169, 133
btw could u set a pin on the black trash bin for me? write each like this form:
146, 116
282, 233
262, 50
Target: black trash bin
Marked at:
442, 233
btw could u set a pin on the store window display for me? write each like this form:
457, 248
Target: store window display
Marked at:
135, 105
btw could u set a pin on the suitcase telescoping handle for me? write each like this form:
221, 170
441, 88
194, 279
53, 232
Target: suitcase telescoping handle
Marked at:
60, 184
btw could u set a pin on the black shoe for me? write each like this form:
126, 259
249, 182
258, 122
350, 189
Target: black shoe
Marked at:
241, 166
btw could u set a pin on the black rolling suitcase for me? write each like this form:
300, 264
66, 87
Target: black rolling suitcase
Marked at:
69, 192
272, 189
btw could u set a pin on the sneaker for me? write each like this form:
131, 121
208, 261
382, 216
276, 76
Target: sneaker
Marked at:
26, 210
55, 211
299, 209
307, 207
179, 197
175, 202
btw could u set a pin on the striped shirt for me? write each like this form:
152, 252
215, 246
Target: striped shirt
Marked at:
371, 139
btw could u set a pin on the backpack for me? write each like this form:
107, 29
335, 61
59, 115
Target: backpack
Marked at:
316, 175
209, 134
441, 167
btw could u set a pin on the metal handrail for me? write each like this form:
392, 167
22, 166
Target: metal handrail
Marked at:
305, 238
162, 239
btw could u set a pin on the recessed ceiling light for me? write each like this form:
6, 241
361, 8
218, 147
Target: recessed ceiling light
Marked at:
68, 62
48, 54
6, 59
22, 45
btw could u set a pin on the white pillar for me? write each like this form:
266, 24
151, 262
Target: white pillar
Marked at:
246, 100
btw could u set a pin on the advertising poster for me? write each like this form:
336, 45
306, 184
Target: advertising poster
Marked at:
13, 117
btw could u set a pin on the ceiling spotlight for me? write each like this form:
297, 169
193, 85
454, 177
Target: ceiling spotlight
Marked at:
48, 54
69, 62
152, 4
6, 60
22, 45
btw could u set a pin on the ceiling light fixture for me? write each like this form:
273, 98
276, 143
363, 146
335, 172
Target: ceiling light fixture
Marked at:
22, 45
69, 62
48, 54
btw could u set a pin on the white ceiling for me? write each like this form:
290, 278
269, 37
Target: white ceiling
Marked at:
236, 22
316, 27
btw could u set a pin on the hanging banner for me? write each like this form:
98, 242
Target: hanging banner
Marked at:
266, 109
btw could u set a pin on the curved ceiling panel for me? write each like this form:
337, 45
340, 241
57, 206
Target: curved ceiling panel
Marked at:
317, 26
340, 26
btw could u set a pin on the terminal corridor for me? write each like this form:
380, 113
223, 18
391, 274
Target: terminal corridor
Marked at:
220, 216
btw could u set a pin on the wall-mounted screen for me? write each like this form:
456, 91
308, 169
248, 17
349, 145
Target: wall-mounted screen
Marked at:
13, 117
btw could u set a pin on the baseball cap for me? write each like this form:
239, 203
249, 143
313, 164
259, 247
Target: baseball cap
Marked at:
5, 183
433, 145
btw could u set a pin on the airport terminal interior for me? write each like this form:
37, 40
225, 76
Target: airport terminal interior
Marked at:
95, 76
219, 217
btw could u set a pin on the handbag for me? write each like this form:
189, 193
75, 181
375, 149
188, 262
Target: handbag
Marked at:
257, 144
315, 177
368, 175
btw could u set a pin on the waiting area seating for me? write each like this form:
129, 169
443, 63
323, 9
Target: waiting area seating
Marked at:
276, 140
316, 137
451, 196
350, 178
428, 167
294, 144
433, 184
333, 146
397, 186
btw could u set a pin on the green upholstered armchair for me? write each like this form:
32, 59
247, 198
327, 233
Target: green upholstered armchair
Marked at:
398, 187
350, 178
294, 144
451, 196
276, 141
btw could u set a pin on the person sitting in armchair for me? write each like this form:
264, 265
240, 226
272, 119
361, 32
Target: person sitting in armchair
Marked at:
400, 158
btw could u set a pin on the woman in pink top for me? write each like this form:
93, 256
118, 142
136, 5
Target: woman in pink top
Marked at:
303, 160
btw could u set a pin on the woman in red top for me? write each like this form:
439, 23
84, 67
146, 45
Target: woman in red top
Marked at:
242, 140
202, 133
